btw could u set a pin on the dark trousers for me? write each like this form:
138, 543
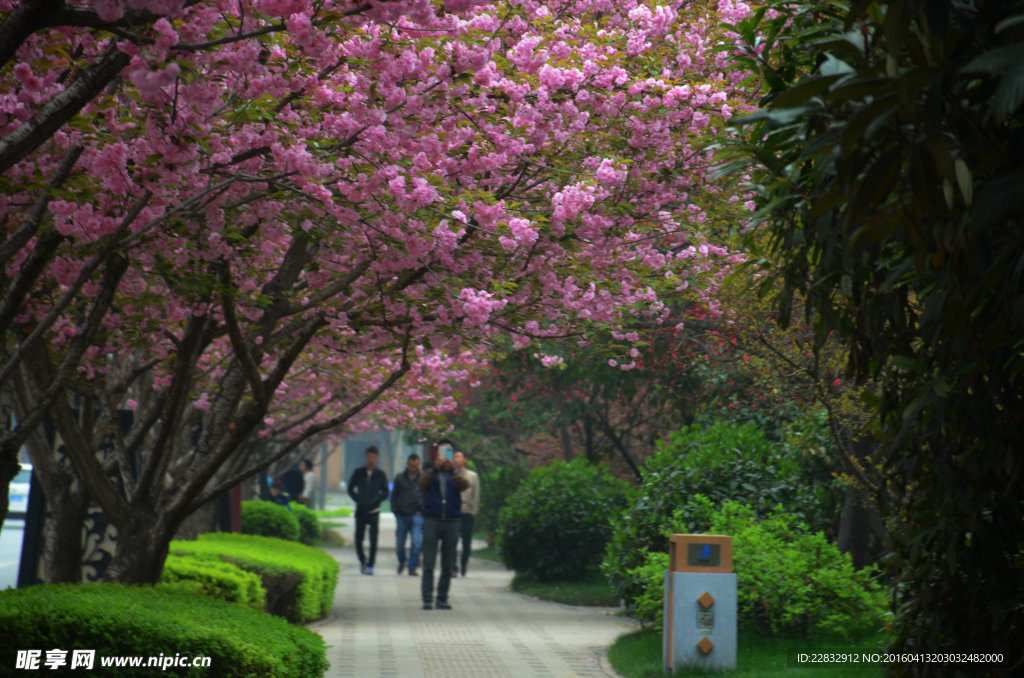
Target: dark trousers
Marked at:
364, 520
466, 535
445, 533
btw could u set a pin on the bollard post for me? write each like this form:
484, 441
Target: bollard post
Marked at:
700, 604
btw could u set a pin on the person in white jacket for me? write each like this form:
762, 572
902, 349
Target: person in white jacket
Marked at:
470, 506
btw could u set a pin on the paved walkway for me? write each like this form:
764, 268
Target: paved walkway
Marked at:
378, 626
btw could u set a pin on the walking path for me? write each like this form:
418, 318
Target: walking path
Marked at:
379, 629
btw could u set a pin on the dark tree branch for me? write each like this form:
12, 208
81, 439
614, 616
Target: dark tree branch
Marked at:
242, 349
311, 432
105, 254
51, 117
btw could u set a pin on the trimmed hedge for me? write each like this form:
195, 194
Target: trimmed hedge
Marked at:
267, 519
216, 579
309, 525
150, 621
299, 580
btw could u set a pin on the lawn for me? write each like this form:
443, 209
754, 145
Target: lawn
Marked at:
593, 590
638, 655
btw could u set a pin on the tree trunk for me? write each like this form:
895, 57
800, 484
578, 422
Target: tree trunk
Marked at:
859, 519
62, 549
853, 528
141, 551
566, 441
203, 520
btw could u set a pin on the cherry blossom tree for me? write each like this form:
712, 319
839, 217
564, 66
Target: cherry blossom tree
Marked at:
242, 220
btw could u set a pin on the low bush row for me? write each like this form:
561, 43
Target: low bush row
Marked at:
211, 602
165, 620
267, 519
298, 580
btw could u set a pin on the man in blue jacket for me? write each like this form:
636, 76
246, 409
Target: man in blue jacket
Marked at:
442, 517
368, 487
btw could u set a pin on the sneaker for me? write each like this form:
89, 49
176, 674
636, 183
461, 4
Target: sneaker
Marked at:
463, 570
443, 605
401, 567
413, 572
363, 569
428, 606
369, 570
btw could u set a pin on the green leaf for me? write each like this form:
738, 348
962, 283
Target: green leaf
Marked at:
963, 179
997, 60
997, 197
908, 363
1010, 93
801, 92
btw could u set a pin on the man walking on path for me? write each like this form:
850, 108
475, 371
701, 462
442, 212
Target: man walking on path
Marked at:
368, 487
470, 506
442, 516
407, 505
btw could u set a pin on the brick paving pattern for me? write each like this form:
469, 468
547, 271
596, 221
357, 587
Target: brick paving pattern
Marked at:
378, 626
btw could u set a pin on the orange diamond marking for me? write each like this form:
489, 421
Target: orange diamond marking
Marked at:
705, 645
706, 600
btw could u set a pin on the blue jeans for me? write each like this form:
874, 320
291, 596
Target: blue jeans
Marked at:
413, 526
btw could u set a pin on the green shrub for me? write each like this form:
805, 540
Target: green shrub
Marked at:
216, 579
309, 525
299, 580
649, 607
558, 522
723, 462
267, 519
150, 621
789, 581
499, 484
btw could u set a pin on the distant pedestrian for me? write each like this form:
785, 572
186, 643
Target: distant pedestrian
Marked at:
308, 482
277, 494
368, 487
407, 505
442, 516
470, 506
292, 482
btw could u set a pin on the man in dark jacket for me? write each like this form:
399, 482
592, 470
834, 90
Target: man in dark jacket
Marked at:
293, 483
407, 505
368, 487
442, 516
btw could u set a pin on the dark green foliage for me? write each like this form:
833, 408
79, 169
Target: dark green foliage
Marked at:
496, 488
790, 581
309, 525
723, 462
558, 522
891, 181
118, 620
268, 519
299, 580
216, 579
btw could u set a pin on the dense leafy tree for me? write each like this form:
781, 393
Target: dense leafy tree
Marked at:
890, 151
579, 397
